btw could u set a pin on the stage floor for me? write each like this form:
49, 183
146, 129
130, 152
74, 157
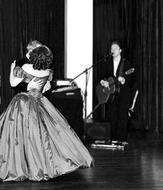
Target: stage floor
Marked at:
138, 166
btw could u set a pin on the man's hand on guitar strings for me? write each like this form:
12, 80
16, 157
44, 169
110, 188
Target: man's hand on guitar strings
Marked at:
121, 80
105, 84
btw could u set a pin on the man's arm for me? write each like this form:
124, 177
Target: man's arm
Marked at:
14, 80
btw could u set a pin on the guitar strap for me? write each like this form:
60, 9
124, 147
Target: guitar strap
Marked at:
120, 70
120, 73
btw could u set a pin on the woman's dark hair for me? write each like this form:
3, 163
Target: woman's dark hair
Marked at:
41, 58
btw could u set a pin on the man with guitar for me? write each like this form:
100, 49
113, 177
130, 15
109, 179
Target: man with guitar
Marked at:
114, 91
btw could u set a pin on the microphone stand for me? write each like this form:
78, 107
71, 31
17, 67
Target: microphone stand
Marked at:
86, 82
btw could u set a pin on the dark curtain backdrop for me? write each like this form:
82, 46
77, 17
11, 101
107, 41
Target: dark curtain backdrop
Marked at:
138, 24
21, 21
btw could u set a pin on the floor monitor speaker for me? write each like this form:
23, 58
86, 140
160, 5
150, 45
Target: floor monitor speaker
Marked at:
97, 130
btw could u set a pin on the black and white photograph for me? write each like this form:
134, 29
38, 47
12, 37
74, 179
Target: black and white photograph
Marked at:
81, 94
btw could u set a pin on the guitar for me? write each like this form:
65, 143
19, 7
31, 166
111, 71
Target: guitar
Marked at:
103, 93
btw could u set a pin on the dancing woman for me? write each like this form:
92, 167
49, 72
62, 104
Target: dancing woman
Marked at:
36, 141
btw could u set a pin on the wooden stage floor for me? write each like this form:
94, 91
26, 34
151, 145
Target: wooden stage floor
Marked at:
138, 166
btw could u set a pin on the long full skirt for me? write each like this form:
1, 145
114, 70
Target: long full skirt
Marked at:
36, 141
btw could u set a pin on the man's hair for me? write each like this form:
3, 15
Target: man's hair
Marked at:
117, 43
41, 58
34, 44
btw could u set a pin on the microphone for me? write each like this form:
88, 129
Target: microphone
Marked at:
111, 54
108, 55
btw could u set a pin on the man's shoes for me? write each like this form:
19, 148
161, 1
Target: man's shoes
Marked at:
121, 143
124, 143
115, 141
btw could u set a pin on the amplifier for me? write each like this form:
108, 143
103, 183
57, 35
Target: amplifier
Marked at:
70, 104
68, 93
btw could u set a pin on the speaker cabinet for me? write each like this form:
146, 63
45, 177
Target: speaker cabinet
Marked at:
97, 130
70, 104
